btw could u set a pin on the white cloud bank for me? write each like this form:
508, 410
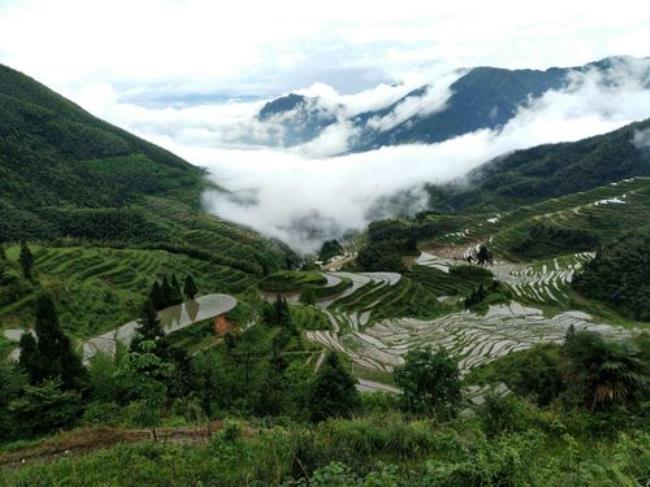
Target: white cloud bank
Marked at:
302, 197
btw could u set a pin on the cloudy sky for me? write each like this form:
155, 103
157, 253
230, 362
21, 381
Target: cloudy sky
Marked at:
191, 75
270, 47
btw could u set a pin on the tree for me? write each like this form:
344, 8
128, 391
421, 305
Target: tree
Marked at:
333, 393
329, 249
147, 373
28, 357
157, 297
44, 408
605, 373
430, 382
176, 296
149, 327
12, 382
189, 288
278, 313
476, 297
166, 292
26, 260
53, 356
3, 254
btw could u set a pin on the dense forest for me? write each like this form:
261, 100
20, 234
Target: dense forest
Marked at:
619, 275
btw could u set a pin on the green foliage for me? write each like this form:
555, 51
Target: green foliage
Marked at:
308, 296
536, 373
190, 288
333, 392
542, 240
149, 327
26, 260
430, 382
12, 381
619, 275
605, 373
383, 256
290, 281
329, 249
388, 242
146, 372
51, 355
43, 408
493, 293
552, 170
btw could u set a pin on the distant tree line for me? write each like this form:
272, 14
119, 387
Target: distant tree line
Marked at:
168, 291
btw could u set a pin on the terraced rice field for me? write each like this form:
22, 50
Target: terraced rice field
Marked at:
378, 344
605, 211
172, 319
95, 288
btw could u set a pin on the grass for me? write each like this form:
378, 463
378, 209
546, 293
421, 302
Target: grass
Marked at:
309, 318
386, 449
290, 281
97, 289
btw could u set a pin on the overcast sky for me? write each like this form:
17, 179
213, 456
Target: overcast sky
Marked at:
266, 47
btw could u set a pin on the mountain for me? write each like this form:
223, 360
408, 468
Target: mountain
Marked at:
297, 118
481, 98
552, 170
66, 173
485, 97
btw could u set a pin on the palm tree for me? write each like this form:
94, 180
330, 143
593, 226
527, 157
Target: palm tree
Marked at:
606, 373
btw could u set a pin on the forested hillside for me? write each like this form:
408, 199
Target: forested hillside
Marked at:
549, 171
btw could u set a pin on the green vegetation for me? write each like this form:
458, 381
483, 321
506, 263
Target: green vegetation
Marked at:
549, 171
388, 241
619, 275
542, 240
329, 249
333, 392
97, 289
291, 281
430, 383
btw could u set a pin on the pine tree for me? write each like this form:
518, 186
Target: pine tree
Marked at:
333, 392
176, 296
166, 292
3, 254
26, 260
53, 356
190, 288
27, 360
156, 296
149, 327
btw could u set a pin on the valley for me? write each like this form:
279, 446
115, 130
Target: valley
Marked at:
445, 302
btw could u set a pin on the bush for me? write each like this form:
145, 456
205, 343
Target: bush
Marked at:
430, 382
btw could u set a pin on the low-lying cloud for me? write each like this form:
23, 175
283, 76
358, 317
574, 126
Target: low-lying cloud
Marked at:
305, 194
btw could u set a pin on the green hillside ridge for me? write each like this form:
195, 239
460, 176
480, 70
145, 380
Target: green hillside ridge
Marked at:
66, 173
105, 214
549, 171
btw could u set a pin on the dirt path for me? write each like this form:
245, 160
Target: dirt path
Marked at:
84, 441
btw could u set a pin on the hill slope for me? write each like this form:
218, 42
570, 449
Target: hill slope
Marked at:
53, 154
119, 211
552, 170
